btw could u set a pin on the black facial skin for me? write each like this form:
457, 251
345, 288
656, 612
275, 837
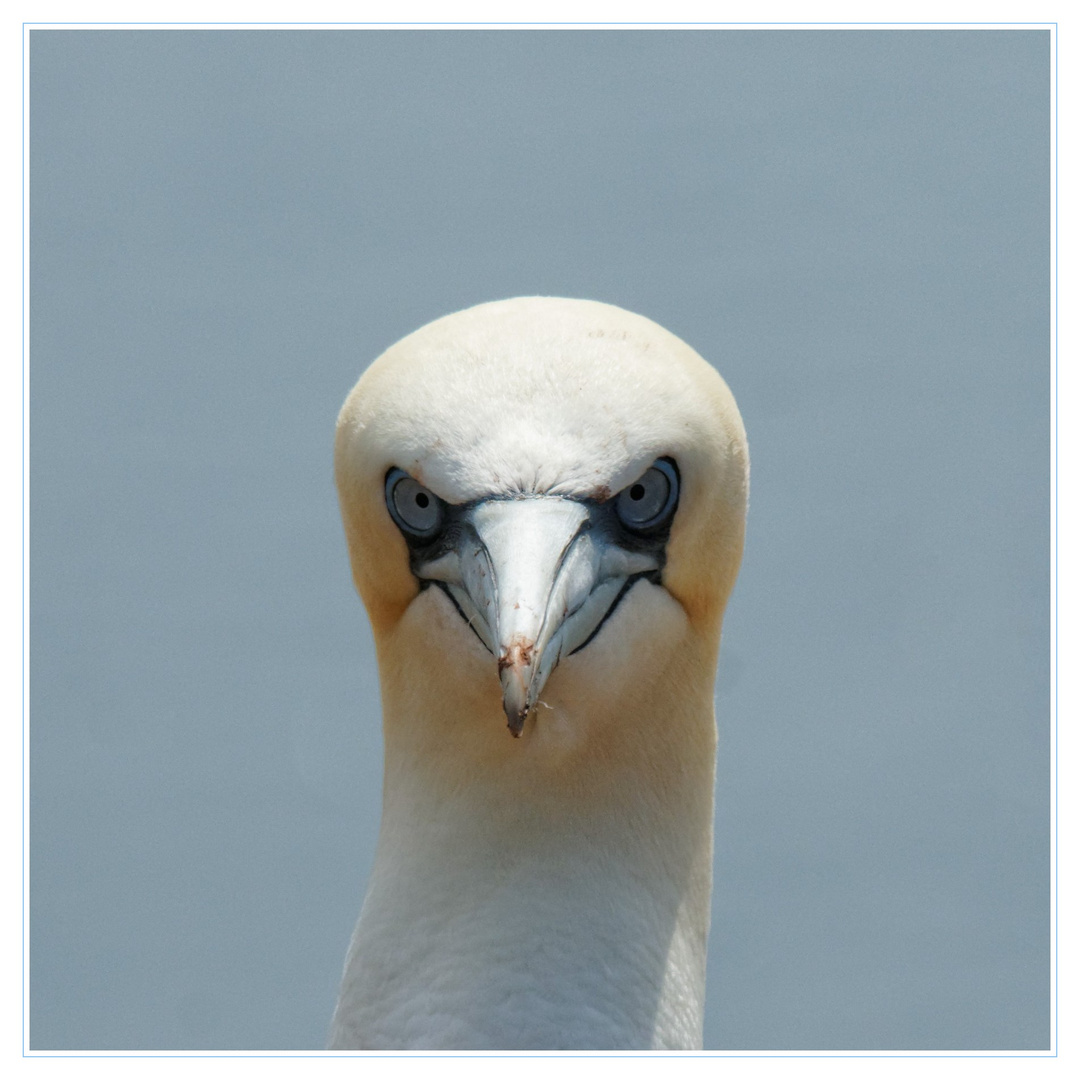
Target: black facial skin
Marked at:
456, 529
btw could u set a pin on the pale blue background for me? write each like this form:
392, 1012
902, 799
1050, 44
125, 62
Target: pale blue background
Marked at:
228, 226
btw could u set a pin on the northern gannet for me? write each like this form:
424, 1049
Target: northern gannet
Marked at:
544, 504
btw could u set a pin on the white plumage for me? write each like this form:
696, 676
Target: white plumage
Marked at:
544, 502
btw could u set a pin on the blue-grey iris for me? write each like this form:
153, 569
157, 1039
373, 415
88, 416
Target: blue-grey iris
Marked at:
416, 510
649, 502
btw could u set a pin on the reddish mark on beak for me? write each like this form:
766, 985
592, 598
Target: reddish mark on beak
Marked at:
517, 654
513, 666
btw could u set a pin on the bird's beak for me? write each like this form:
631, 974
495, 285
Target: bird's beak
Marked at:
535, 581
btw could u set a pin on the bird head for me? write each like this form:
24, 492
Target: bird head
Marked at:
544, 504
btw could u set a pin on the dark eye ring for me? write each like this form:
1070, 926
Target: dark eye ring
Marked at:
415, 509
650, 501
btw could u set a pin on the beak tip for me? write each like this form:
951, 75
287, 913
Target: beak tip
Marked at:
515, 720
516, 675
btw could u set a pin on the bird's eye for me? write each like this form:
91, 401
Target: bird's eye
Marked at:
649, 502
416, 510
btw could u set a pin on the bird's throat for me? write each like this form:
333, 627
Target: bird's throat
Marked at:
569, 931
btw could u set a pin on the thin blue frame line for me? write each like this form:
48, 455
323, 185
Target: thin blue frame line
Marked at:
365, 1055
1054, 1033
27, 27
22, 537
851, 25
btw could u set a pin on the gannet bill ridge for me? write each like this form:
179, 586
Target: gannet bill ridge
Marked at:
544, 504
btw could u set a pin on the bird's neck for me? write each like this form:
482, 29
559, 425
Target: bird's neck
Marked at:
543, 899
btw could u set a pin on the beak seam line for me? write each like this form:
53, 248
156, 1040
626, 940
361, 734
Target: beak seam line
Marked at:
457, 607
628, 584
